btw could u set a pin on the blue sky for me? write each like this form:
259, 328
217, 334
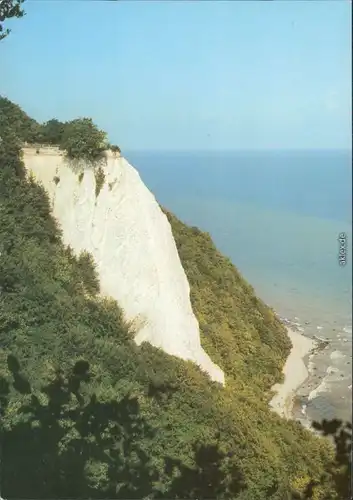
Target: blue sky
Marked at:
188, 75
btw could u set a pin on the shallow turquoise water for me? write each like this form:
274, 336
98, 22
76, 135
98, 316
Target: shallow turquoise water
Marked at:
278, 217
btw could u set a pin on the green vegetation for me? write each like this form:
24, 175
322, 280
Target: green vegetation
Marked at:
80, 177
8, 10
81, 139
56, 179
52, 132
25, 128
230, 314
86, 413
114, 148
100, 178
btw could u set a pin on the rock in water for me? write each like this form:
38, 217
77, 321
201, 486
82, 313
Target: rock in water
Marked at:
133, 247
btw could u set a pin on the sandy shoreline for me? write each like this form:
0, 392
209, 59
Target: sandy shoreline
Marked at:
295, 373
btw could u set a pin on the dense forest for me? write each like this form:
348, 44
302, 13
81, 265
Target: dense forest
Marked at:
86, 413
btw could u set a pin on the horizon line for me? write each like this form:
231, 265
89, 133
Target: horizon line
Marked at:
236, 150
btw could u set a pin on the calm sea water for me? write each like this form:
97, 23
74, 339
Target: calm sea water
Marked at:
277, 215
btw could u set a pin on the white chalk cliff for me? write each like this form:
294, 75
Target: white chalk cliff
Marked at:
132, 244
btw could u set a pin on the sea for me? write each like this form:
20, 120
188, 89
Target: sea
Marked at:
284, 218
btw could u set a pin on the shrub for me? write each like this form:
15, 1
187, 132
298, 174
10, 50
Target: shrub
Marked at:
100, 178
53, 131
115, 149
83, 140
24, 127
56, 179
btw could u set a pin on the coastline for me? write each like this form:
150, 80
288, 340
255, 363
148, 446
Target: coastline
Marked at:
295, 373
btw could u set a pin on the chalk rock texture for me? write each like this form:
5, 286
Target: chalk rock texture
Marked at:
132, 244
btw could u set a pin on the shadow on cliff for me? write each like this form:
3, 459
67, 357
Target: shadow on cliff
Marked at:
63, 443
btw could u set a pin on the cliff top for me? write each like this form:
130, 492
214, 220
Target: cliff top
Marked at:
38, 149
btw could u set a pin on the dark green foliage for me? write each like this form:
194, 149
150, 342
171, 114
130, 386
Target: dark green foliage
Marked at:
103, 418
8, 10
56, 179
341, 467
100, 178
80, 139
80, 177
108, 432
25, 128
114, 148
209, 478
83, 140
53, 131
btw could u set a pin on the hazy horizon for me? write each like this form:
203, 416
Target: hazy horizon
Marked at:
239, 150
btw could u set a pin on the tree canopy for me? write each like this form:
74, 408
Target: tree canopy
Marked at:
52, 132
80, 138
9, 9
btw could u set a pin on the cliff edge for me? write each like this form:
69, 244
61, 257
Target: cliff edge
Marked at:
131, 241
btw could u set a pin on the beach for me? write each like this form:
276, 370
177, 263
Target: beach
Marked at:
295, 373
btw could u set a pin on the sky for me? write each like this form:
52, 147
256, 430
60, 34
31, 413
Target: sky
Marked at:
169, 75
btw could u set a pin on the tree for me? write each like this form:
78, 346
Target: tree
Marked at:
114, 148
341, 467
25, 128
82, 139
53, 131
8, 10
76, 444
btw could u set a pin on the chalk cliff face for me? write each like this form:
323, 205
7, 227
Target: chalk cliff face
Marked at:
132, 244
